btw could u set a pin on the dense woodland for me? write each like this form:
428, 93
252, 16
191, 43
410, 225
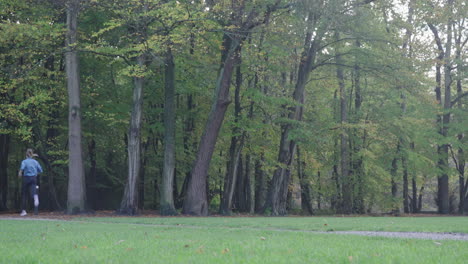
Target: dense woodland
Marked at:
243, 106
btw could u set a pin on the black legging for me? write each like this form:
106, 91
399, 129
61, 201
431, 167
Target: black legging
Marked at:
29, 184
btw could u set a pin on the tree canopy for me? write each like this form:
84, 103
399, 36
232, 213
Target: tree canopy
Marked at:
258, 106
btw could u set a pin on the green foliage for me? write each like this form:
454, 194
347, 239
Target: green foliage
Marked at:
112, 34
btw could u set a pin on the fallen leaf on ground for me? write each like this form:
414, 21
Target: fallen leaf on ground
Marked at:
200, 249
262, 238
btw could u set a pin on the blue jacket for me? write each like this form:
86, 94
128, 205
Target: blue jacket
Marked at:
30, 167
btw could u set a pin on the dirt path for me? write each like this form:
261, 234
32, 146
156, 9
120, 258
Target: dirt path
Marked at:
416, 235
409, 235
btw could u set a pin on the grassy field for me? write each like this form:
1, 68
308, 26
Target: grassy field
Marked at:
227, 240
397, 224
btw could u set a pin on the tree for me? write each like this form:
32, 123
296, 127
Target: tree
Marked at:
167, 198
76, 182
318, 19
236, 29
444, 56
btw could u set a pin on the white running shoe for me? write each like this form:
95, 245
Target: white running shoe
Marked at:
23, 213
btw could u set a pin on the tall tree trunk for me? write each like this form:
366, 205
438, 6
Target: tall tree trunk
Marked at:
76, 180
189, 127
406, 47
414, 200
167, 186
196, 202
336, 201
280, 180
393, 173
443, 187
129, 204
4, 152
463, 186
344, 148
461, 167
235, 149
357, 161
438, 93
404, 160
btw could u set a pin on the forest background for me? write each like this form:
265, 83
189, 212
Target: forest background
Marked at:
259, 106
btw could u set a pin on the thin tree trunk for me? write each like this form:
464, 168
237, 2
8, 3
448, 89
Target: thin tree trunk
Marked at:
76, 182
344, 148
336, 201
235, 148
250, 188
260, 184
420, 198
463, 199
167, 199
414, 200
306, 200
404, 164
4, 152
438, 93
240, 194
230, 178
393, 173
129, 204
142, 183
91, 180
189, 127
357, 161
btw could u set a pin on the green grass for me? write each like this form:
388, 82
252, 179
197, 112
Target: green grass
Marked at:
249, 240
397, 224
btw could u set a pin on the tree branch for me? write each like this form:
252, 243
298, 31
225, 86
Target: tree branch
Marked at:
458, 98
454, 159
437, 38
